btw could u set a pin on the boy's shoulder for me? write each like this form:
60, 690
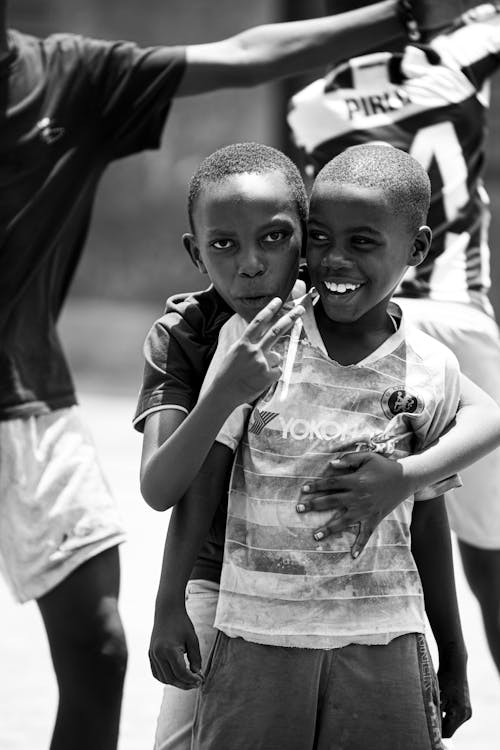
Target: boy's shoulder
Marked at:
198, 314
427, 349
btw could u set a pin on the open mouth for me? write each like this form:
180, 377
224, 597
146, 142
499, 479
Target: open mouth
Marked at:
341, 288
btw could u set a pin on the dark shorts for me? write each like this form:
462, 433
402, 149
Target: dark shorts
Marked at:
259, 697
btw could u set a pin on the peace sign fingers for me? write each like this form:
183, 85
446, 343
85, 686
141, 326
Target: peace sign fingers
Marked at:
267, 327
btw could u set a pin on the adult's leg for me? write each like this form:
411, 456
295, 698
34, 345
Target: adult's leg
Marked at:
89, 654
175, 720
482, 570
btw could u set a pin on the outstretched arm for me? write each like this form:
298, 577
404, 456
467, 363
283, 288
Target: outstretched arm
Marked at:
277, 50
431, 548
364, 487
173, 634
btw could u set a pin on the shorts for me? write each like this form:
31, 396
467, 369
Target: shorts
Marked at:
175, 720
56, 509
473, 336
258, 697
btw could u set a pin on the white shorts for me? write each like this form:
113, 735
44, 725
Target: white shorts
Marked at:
56, 510
474, 509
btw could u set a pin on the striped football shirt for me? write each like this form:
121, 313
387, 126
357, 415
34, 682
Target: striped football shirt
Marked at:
431, 101
279, 586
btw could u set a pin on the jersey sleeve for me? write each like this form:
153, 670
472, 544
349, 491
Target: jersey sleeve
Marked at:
231, 431
444, 412
177, 352
131, 90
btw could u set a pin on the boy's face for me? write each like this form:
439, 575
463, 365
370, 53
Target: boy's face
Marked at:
358, 250
248, 237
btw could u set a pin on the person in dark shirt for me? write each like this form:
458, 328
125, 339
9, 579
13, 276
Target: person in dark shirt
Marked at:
69, 106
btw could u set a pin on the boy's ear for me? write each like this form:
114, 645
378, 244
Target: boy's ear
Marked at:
421, 246
189, 242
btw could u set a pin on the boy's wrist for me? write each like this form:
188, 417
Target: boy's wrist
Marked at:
168, 601
453, 655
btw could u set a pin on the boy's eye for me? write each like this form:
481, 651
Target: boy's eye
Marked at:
223, 244
275, 236
317, 236
361, 241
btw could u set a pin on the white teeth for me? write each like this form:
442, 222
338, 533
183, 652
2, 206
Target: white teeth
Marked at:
341, 288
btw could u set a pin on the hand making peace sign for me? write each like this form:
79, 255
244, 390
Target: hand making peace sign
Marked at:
251, 364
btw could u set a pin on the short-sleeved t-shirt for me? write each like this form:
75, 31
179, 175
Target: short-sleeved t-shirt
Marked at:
177, 353
431, 101
280, 586
70, 105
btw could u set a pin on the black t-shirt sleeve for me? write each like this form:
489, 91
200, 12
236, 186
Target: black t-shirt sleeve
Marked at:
177, 352
169, 377
132, 89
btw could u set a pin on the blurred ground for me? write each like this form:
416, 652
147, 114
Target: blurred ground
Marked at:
98, 333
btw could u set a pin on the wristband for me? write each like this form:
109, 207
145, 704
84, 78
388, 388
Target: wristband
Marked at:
407, 17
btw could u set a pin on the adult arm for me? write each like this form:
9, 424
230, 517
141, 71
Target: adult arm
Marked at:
363, 488
175, 446
173, 634
273, 51
431, 548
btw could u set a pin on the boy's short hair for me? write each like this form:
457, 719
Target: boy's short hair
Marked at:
376, 165
247, 158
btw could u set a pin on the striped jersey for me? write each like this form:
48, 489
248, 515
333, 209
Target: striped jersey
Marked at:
279, 586
431, 101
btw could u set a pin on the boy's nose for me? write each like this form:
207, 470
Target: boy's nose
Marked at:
336, 257
252, 263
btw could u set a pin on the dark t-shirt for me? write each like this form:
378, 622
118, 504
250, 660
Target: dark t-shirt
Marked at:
68, 107
177, 352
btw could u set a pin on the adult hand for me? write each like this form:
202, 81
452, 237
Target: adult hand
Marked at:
455, 700
172, 638
360, 488
251, 364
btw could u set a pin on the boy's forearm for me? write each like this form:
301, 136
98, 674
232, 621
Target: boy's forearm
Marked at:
431, 548
276, 50
169, 472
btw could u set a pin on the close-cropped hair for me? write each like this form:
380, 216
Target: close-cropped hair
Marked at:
247, 158
399, 175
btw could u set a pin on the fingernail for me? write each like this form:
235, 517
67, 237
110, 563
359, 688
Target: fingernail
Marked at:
300, 508
319, 535
306, 488
355, 554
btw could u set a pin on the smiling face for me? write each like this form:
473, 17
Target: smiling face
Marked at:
358, 250
247, 238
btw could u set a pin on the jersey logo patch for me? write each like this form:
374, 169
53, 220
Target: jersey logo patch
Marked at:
260, 420
49, 132
398, 400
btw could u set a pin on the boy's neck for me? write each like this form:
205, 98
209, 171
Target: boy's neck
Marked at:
350, 343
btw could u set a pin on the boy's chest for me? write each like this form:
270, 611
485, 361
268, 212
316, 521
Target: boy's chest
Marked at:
319, 407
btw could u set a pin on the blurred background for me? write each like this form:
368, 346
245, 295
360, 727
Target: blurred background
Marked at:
134, 260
